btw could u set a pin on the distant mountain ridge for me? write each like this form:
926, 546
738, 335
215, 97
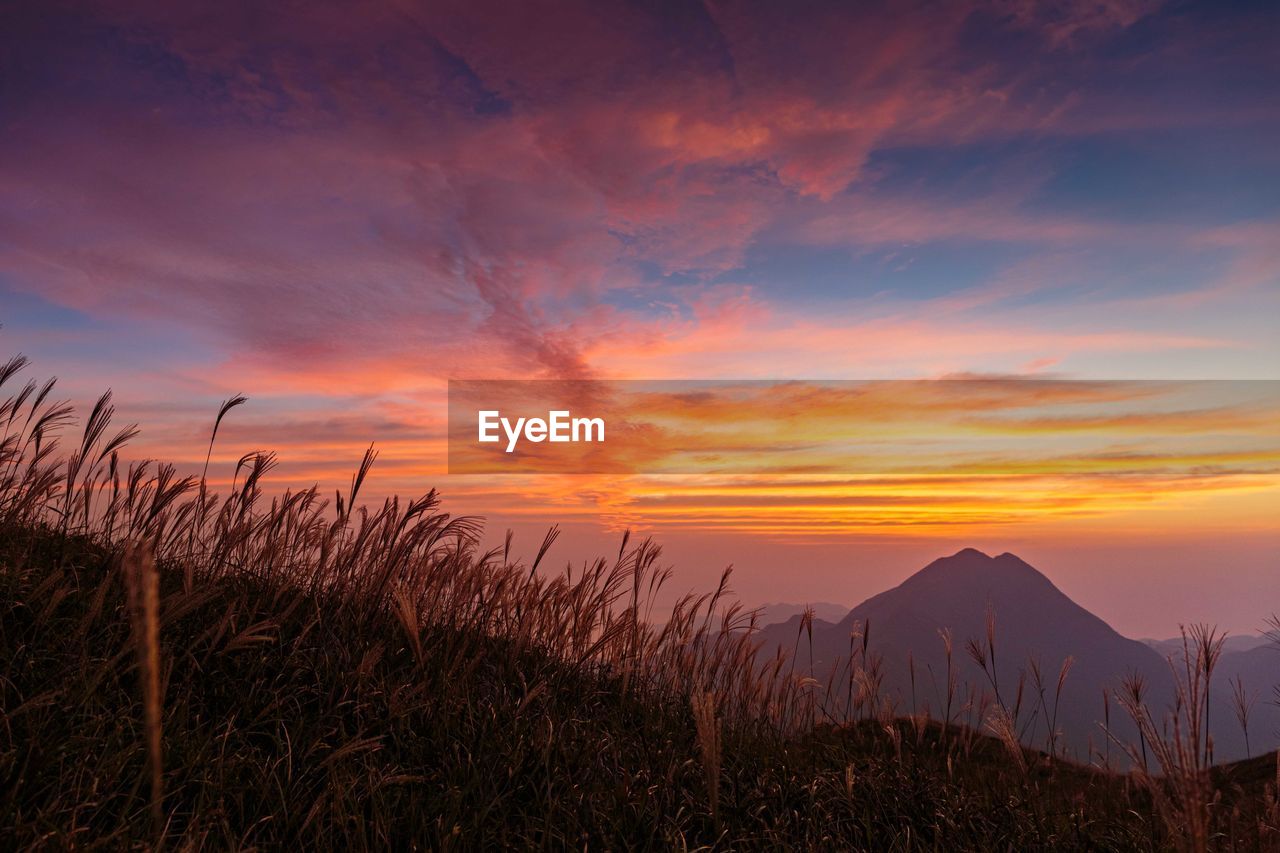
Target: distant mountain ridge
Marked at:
1033, 620
1234, 644
781, 611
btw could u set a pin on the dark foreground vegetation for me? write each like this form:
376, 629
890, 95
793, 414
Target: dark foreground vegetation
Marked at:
187, 671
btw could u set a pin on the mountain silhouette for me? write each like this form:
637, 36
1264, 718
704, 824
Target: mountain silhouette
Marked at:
783, 610
1233, 645
1033, 623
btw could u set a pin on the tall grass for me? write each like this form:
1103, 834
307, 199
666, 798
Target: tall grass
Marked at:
1181, 742
404, 557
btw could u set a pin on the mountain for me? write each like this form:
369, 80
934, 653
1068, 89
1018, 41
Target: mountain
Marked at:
1033, 621
782, 611
1259, 666
1258, 669
1234, 644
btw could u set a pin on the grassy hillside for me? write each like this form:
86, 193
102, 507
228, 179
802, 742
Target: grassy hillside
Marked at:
211, 672
288, 718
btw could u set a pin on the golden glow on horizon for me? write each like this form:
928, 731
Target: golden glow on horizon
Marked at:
924, 460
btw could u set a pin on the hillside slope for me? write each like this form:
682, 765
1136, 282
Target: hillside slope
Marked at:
291, 720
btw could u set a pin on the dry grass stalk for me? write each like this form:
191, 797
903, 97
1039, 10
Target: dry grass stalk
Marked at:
1001, 724
143, 588
707, 722
1183, 748
1242, 702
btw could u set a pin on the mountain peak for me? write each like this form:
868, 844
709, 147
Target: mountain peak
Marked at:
972, 568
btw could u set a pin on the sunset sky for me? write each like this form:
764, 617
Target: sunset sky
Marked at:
335, 208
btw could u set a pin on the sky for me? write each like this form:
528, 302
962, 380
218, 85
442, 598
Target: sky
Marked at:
336, 208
